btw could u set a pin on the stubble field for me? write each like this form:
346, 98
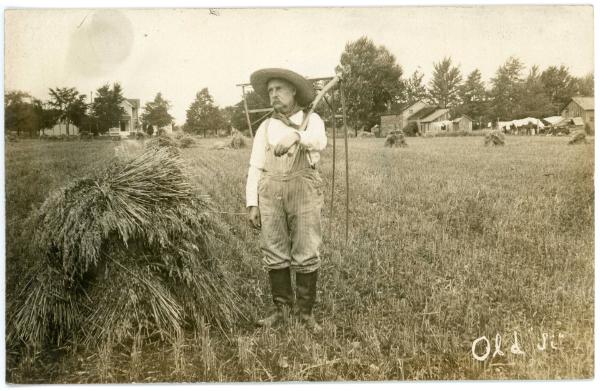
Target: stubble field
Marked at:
449, 241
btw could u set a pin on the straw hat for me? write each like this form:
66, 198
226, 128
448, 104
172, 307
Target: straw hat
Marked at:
304, 89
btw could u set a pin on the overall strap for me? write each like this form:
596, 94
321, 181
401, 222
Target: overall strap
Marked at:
307, 153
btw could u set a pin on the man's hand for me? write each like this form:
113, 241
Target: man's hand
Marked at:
286, 143
254, 216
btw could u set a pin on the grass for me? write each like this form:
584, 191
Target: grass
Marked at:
449, 241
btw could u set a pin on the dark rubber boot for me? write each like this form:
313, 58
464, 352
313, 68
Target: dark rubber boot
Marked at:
283, 296
306, 295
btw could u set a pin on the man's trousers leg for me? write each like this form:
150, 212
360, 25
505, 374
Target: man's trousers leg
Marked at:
275, 246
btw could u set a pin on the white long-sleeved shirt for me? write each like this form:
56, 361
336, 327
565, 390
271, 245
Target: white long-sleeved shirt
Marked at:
314, 139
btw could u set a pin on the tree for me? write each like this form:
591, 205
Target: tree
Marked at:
533, 98
238, 116
414, 89
46, 118
473, 97
19, 115
69, 104
585, 85
156, 113
106, 108
559, 85
372, 80
444, 86
228, 113
505, 89
203, 115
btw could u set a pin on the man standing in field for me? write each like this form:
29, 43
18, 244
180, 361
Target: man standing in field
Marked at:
284, 192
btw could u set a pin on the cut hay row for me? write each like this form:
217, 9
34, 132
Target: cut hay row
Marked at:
164, 141
124, 251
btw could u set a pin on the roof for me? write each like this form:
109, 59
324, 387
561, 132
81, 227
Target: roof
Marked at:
461, 117
554, 119
435, 115
397, 109
134, 102
586, 102
577, 121
424, 112
413, 104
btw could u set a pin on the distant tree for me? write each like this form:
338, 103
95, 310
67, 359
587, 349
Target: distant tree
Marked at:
504, 94
585, 85
227, 113
106, 109
69, 105
414, 88
46, 118
445, 83
559, 85
473, 97
156, 113
533, 99
203, 115
19, 115
372, 80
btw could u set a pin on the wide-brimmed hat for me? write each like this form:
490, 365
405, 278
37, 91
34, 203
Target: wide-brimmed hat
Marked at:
305, 92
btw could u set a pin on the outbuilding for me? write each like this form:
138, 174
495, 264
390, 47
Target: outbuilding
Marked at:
464, 123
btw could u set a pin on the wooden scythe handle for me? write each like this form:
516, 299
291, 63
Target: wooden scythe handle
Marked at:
312, 107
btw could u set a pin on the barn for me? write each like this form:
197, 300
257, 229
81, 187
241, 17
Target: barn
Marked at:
581, 106
464, 123
426, 124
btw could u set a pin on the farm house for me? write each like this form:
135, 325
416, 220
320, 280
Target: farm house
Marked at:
397, 121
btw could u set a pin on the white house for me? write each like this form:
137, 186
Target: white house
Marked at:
60, 129
130, 121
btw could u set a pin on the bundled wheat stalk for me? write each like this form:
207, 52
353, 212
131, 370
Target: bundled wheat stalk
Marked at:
494, 138
395, 139
238, 140
163, 141
186, 141
578, 138
124, 251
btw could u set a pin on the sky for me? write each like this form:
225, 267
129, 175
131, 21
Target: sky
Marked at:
180, 51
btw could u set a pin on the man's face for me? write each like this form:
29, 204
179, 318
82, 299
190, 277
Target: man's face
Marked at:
282, 95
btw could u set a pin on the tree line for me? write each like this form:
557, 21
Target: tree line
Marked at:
27, 115
374, 85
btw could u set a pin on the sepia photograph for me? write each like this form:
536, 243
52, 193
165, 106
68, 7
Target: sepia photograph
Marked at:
298, 194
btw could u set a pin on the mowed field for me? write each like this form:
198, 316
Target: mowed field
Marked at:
449, 241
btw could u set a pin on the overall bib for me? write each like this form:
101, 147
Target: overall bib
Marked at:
290, 197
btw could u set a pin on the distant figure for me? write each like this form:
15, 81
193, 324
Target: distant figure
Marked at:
375, 130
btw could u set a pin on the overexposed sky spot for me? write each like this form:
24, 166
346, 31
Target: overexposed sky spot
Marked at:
178, 52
